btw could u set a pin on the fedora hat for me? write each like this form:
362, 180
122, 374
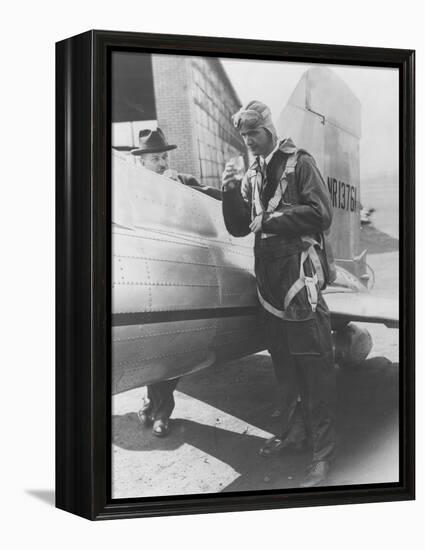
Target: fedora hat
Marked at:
152, 141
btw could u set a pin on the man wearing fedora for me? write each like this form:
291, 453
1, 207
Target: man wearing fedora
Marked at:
153, 155
282, 199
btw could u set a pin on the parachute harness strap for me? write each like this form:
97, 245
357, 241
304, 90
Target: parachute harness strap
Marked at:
310, 283
257, 185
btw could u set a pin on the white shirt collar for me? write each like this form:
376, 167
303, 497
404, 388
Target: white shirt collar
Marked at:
270, 155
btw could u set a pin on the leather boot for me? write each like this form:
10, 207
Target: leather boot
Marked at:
317, 473
146, 413
160, 427
294, 442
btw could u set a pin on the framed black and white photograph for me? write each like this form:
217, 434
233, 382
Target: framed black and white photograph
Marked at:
235, 283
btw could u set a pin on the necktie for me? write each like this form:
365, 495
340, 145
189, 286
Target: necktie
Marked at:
263, 175
260, 183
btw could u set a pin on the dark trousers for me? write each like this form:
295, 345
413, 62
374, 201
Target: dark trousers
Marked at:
160, 403
311, 376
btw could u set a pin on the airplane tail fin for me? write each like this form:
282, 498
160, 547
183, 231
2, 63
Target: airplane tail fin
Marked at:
323, 116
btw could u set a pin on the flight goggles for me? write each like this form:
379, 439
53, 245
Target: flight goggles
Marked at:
249, 118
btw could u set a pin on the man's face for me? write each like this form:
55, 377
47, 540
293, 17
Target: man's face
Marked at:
156, 162
258, 141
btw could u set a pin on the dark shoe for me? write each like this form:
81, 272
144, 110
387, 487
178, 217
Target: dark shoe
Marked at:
317, 474
145, 415
276, 445
144, 418
161, 428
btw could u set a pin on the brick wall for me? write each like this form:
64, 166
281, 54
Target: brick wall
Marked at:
213, 103
194, 103
172, 85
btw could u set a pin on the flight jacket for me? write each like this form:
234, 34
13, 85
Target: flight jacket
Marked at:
304, 210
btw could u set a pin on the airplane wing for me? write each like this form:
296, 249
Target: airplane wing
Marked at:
364, 307
349, 300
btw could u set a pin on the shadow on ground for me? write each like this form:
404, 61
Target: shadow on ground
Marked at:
45, 495
367, 419
239, 451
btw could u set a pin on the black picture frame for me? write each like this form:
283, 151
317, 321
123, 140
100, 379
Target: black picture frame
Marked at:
83, 274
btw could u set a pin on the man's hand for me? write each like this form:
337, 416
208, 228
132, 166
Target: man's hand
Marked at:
256, 224
172, 174
228, 179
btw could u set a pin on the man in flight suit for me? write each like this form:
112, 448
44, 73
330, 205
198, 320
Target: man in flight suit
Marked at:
153, 155
283, 200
